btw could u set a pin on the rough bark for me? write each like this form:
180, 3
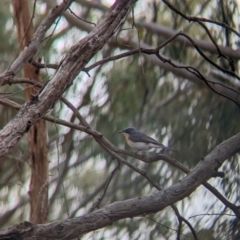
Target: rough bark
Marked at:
37, 38
72, 228
224, 89
159, 30
37, 135
77, 57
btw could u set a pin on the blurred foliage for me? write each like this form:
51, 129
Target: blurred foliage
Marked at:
128, 92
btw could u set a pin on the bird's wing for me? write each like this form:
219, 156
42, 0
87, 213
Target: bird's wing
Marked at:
142, 137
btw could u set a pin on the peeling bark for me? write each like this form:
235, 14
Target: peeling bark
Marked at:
77, 57
37, 136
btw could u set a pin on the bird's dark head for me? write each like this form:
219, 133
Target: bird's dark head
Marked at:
128, 130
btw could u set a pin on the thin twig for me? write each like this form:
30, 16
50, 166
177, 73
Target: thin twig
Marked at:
198, 19
208, 59
141, 172
80, 18
106, 183
44, 65
166, 158
212, 214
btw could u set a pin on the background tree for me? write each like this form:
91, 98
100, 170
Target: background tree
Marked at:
174, 76
37, 138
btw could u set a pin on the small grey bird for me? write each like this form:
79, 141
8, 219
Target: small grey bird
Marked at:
140, 141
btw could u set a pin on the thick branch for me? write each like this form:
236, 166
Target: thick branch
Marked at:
129, 208
164, 32
38, 36
71, 65
86, 128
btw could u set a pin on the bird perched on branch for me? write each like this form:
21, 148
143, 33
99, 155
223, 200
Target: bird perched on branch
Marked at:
140, 141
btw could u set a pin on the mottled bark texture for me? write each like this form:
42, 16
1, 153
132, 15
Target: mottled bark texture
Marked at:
77, 57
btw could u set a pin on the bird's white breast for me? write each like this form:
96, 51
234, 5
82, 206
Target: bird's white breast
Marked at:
142, 146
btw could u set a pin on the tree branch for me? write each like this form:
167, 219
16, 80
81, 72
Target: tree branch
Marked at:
38, 36
71, 65
155, 158
129, 208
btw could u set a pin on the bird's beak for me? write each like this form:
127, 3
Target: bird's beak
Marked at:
120, 131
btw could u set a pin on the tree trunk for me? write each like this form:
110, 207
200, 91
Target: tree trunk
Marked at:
37, 138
